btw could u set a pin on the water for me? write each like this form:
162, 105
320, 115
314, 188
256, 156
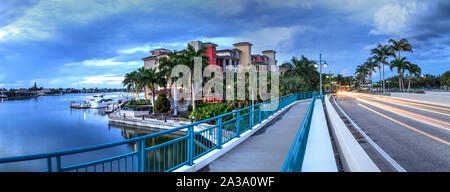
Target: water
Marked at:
48, 124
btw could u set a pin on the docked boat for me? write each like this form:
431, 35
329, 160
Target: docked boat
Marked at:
80, 104
98, 101
3, 96
112, 107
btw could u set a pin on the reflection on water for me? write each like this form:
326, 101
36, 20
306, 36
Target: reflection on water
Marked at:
48, 124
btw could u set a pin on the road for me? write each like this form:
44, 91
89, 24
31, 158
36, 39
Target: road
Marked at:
415, 135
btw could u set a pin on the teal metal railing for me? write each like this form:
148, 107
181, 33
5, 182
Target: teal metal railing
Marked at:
170, 155
294, 159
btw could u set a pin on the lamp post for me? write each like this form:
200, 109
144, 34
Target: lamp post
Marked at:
320, 71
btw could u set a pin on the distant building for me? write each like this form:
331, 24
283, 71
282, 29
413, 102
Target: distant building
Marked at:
44, 92
24, 93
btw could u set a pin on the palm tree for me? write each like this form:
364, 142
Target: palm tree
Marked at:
139, 85
401, 65
151, 78
303, 68
130, 81
371, 64
340, 80
166, 64
381, 53
399, 46
187, 57
414, 71
361, 73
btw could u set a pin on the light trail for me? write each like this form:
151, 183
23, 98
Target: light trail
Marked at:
407, 126
409, 105
416, 103
429, 104
414, 116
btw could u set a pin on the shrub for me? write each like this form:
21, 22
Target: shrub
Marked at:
162, 104
137, 102
138, 105
208, 110
197, 105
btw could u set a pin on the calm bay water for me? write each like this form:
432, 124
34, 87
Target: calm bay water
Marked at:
48, 124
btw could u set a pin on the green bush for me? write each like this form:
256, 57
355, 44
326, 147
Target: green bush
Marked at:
197, 105
162, 104
208, 110
137, 102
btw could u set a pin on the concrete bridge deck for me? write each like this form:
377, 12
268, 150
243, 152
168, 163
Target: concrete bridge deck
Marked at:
265, 150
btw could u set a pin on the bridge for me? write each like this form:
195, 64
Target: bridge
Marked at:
186, 153
300, 132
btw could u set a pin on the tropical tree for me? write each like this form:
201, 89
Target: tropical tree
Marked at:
304, 68
380, 55
399, 46
361, 73
340, 80
445, 78
401, 65
348, 81
130, 81
151, 78
187, 58
414, 71
292, 84
371, 64
166, 64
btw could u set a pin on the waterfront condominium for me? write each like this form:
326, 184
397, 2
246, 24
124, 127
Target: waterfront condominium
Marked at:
228, 59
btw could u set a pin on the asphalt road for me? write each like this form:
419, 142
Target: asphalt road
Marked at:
415, 135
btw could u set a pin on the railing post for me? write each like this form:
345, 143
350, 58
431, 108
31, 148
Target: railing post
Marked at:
238, 124
219, 134
260, 120
49, 164
251, 118
138, 155
58, 163
142, 156
190, 146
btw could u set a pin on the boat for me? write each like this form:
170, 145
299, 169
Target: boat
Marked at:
112, 107
98, 101
3, 96
80, 104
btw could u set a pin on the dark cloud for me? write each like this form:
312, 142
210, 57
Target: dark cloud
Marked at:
433, 24
341, 40
12, 9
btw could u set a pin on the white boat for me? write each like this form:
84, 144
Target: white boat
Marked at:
112, 107
98, 101
3, 96
80, 104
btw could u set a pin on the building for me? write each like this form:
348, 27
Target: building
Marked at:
228, 59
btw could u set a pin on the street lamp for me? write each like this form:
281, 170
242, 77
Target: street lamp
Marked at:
320, 73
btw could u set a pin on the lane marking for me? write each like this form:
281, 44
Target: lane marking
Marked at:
380, 151
405, 125
444, 125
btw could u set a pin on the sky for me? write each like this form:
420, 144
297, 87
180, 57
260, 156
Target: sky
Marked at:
88, 44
